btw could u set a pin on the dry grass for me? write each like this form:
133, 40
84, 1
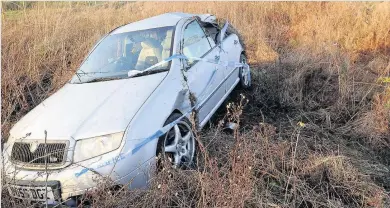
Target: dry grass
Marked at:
317, 63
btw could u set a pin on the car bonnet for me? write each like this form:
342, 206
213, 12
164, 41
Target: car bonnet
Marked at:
86, 110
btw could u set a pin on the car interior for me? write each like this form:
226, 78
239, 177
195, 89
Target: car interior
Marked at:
152, 51
149, 51
149, 48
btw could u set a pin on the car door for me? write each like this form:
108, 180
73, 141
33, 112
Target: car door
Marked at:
232, 49
204, 79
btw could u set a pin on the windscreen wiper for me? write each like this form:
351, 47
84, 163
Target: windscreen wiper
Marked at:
102, 79
143, 73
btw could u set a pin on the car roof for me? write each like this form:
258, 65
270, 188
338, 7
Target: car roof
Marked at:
163, 20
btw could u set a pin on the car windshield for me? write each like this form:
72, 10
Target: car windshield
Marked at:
119, 55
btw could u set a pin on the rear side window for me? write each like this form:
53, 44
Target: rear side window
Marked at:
195, 41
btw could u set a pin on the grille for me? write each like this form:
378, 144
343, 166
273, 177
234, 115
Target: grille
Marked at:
21, 153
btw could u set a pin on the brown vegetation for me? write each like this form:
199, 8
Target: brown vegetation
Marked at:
314, 133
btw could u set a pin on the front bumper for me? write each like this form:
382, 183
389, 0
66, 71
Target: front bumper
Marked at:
76, 179
36, 190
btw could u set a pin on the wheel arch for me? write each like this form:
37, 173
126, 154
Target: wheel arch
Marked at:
175, 111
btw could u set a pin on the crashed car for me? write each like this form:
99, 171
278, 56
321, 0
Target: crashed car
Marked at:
130, 100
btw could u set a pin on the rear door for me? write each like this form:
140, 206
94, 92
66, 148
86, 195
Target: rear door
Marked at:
204, 79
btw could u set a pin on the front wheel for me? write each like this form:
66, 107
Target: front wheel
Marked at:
245, 74
178, 144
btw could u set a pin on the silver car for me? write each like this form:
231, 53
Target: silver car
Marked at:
129, 101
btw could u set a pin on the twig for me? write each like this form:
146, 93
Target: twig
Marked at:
292, 166
46, 167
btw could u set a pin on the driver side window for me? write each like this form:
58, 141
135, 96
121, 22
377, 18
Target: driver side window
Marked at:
195, 40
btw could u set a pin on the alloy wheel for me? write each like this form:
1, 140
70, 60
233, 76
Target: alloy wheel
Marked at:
179, 144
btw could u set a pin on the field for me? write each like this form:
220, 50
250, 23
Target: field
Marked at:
313, 132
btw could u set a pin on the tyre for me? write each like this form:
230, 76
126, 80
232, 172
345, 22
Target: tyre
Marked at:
178, 144
245, 74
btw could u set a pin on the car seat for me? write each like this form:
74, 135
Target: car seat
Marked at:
150, 48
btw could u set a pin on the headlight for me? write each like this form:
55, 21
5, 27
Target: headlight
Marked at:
95, 146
